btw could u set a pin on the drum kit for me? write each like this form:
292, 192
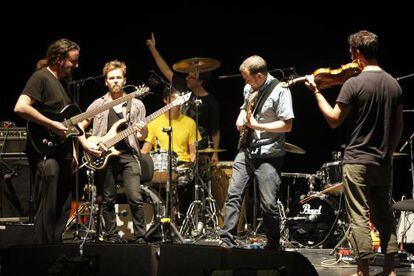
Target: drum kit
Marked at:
315, 215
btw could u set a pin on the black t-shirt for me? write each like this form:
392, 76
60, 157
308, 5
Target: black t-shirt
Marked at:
208, 111
374, 97
50, 95
47, 90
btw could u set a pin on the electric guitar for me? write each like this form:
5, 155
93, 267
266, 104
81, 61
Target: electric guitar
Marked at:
245, 131
106, 144
48, 143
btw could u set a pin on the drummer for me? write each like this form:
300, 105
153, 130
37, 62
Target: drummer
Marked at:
183, 132
207, 105
183, 137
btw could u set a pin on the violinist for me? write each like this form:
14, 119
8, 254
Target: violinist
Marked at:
373, 101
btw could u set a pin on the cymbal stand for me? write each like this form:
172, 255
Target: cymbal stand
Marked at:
195, 221
88, 208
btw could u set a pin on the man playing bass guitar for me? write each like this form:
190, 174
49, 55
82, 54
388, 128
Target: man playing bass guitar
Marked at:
127, 164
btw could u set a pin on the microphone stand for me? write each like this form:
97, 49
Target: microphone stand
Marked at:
77, 84
166, 219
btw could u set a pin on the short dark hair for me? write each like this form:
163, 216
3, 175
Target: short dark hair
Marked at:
366, 42
253, 65
166, 92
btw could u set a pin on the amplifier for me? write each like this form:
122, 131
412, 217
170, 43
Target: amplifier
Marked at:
12, 141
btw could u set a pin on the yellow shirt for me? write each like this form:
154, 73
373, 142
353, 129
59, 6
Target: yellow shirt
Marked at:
183, 134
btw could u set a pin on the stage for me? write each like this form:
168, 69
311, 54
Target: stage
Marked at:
203, 258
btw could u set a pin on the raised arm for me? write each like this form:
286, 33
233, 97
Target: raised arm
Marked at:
162, 65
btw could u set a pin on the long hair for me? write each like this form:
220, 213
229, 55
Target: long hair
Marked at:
58, 49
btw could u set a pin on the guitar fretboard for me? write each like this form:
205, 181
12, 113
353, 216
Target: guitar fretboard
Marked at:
88, 114
130, 130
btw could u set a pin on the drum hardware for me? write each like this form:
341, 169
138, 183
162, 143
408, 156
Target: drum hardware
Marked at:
202, 210
86, 214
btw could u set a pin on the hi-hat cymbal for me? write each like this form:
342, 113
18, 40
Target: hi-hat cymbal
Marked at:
196, 64
210, 150
293, 149
396, 155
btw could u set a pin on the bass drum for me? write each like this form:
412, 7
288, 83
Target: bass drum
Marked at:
153, 210
313, 223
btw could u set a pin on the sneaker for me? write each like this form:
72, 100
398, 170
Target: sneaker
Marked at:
225, 244
138, 240
114, 239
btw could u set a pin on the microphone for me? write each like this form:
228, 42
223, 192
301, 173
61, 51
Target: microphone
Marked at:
159, 77
81, 81
292, 69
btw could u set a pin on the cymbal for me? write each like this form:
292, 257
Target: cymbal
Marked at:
199, 64
210, 150
396, 155
293, 149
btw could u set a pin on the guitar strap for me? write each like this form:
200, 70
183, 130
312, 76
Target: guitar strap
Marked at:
260, 102
264, 95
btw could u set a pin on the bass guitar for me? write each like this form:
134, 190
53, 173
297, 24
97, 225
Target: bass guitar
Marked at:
245, 131
106, 144
48, 143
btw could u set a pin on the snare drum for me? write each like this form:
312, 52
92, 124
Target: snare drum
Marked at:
160, 159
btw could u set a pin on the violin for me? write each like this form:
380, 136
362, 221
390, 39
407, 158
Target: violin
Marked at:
327, 77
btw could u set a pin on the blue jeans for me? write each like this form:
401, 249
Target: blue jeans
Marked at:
266, 171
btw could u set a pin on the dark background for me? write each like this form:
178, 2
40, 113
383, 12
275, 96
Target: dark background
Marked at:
307, 38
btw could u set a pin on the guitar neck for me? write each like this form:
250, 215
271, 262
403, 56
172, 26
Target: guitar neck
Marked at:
88, 114
130, 130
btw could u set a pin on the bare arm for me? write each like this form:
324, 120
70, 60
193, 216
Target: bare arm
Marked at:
146, 148
24, 109
215, 137
334, 116
142, 131
192, 150
90, 148
241, 119
159, 60
276, 126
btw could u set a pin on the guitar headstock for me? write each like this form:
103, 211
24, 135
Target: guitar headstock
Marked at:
141, 91
181, 99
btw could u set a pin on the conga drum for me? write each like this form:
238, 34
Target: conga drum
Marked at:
220, 182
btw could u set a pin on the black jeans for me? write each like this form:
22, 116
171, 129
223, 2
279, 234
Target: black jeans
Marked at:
130, 173
266, 171
52, 194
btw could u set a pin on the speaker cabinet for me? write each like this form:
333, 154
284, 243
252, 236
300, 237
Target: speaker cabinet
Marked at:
14, 187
